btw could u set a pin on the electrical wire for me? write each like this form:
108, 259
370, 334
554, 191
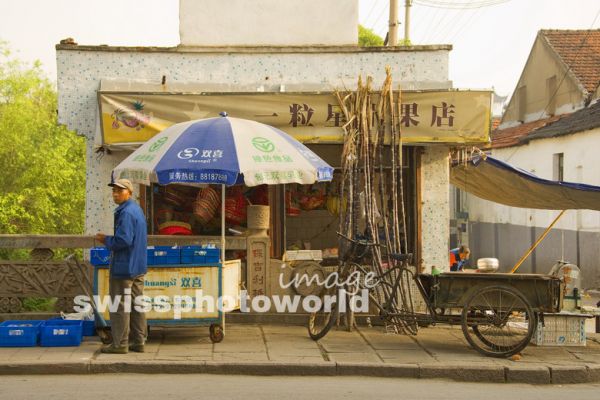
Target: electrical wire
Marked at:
459, 5
577, 54
371, 11
379, 17
437, 16
420, 29
449, 26
466, 24
561, 81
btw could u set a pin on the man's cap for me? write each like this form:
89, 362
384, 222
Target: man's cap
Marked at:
123, 184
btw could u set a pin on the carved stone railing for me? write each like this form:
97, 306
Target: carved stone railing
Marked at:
43, 277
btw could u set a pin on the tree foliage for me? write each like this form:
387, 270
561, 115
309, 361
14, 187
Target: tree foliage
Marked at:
366, 37
42, 164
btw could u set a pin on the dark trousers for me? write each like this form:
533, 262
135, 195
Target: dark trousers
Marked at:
125, 323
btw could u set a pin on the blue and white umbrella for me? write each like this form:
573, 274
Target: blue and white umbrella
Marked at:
223, 150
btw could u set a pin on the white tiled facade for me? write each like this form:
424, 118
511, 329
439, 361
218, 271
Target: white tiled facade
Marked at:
80, 70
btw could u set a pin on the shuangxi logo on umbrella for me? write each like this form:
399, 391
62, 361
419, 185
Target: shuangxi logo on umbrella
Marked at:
188, 153
262, 144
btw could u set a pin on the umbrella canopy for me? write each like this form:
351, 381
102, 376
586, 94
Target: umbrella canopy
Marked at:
223, 150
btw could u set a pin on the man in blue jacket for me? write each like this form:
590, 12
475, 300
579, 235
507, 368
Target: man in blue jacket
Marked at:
128, 266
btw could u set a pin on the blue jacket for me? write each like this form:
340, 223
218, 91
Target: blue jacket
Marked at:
128, 245
456, 263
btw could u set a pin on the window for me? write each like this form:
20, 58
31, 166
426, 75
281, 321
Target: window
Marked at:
551, 95
557, 167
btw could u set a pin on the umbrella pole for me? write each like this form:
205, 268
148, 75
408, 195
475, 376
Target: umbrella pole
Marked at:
222, 255
223, 224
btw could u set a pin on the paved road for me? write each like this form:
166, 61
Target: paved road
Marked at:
221, 387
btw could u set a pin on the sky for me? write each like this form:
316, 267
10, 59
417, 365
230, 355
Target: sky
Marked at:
490, 44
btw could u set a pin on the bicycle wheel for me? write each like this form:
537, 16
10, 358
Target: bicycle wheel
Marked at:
498, 321
320, 322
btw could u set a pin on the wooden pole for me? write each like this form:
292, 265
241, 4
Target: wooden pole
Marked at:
407, 5
393, 24
537, 242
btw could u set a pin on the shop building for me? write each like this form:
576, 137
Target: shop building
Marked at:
281, 67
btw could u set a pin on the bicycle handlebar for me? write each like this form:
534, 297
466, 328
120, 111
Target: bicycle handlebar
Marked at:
360, 242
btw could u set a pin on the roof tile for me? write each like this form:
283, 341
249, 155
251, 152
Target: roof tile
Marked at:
511, 136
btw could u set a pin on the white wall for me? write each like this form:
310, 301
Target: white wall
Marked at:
268, 22
581, 164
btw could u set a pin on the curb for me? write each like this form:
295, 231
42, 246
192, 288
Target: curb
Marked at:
456, 372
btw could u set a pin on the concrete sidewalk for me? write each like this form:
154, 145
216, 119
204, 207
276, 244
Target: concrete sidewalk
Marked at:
255, 349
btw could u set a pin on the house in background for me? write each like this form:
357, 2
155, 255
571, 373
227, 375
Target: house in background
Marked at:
551, 128
459, 233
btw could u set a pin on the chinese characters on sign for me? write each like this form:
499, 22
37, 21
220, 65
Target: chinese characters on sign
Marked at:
301, 114
442, 115
191, 282
257, 264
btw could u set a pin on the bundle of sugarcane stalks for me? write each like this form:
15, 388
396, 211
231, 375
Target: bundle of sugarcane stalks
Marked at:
372, 185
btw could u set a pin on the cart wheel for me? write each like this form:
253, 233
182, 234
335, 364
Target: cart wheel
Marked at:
216, 333
498, 321
320, 322
105, 335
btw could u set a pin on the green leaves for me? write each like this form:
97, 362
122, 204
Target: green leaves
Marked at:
366, 37
42, 164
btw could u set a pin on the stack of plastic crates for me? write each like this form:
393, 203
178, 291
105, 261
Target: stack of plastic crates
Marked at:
561, 330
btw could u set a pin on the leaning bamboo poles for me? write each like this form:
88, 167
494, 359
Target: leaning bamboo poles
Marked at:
375, 198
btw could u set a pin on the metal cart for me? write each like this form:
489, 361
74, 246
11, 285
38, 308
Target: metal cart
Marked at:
498, 312
217, 280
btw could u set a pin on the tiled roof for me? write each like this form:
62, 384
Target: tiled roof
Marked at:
580, 50
579, 121
512, 136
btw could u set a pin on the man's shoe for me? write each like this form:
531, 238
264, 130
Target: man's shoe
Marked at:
138, 348
113, 350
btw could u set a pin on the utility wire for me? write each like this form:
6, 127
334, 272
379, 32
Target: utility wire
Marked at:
371, 11
436, 20
380, 15
421, 29
468, 23
577, 54
450, 25
460, 6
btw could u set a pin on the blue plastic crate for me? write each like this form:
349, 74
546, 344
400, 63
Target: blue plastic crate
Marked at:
61, 332
193, 255
213, 255
100, 256
199, 255
20, 333
161, 255
89, 328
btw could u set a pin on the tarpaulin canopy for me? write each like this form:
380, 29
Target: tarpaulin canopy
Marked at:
497, 181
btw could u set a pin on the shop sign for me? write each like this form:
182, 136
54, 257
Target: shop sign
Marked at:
453, 117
